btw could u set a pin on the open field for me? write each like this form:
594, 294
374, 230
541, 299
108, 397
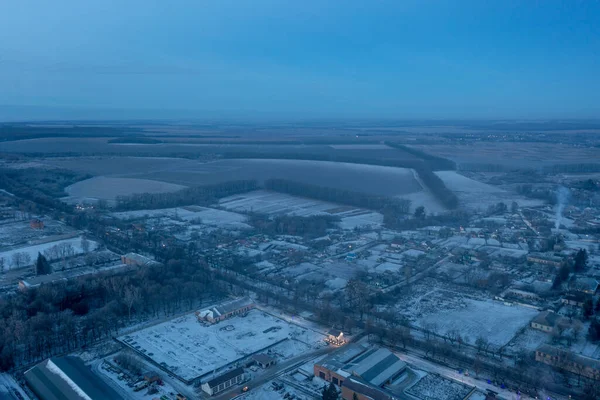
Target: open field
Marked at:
371, 179
190, 147
107, 188
117, 166
492, 320
514, 154
33, 251
475, 195
190, 350
272, 203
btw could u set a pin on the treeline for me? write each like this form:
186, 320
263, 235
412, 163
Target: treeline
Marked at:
313, 226
22, 132
136, 140
438, 188
572, 168
62, 317
197, 195
42, 187
435, 163
339, 196
326, 157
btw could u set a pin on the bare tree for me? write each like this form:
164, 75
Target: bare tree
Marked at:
1, 264
131, 295
20, 259
85, 245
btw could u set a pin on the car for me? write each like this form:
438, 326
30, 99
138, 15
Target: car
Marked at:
245, 389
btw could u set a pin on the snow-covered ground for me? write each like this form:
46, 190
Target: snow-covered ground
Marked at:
476, 195
205, 216
496, 322
272, 203
190, 349
108, 188
33, 251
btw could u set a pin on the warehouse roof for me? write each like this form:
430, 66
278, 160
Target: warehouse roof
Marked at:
225, 377
67, 378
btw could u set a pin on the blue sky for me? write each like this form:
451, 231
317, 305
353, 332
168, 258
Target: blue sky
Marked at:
304, 59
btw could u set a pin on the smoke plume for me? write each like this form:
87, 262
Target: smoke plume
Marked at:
562, 197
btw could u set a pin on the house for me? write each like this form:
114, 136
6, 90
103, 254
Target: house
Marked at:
36, 224
584, 285
335, 337
356, 388
225, 310
576, 299
396, 244
545, 321
224, 382
138, 260
67, 378
264, 361
564, 359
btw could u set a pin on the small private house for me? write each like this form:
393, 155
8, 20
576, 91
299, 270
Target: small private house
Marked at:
225, 310
223, 382
36, 223
545, 321
575, 299
564, 359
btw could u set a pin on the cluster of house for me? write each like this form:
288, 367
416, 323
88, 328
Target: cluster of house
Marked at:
361, 372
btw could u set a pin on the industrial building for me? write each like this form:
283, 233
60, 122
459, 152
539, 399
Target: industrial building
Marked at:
375, 366
225, 310
224, 382
138, 260
355, 388
67, 378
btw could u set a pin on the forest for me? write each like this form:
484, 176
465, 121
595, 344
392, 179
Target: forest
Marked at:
197, 195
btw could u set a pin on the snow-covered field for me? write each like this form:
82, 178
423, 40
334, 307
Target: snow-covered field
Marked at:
477, 195
32, 251
108, 188
272, 203
206, 216
496, 322
20, 232
435, 387
189, 349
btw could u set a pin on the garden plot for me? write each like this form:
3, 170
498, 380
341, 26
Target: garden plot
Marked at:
436, 387
24, 256
272, 203
190, 350
194, 214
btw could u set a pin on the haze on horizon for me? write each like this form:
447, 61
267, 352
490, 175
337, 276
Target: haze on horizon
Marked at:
304, 59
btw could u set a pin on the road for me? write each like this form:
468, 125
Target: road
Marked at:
10, 389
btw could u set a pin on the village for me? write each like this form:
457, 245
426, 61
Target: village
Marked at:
509, 287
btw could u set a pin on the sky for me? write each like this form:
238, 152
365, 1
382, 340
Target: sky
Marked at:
530, 59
